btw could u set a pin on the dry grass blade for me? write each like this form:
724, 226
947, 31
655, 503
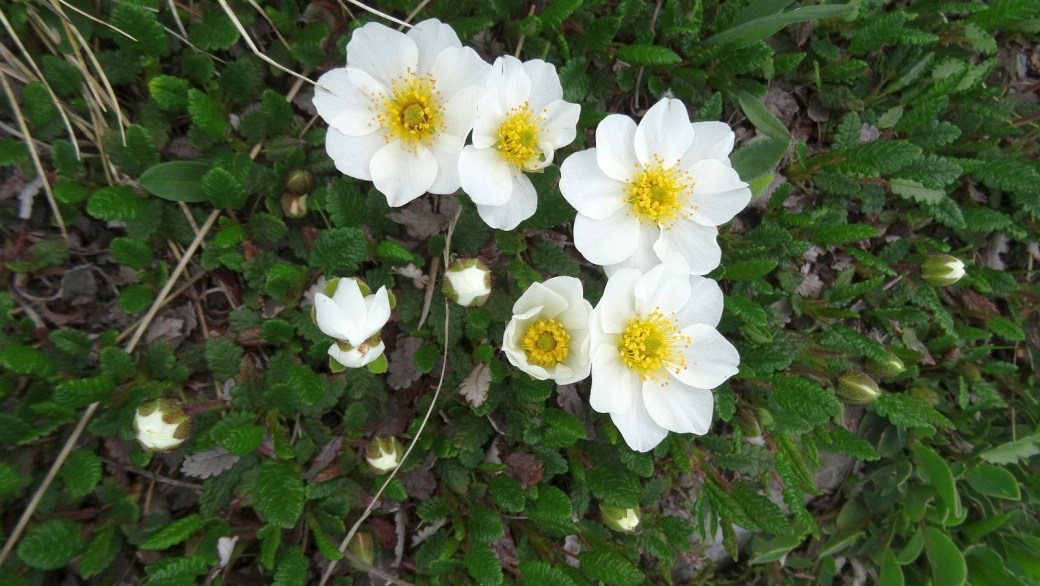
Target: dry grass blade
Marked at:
39, 75
35, 158
98, 20
412, 14
270, 22
379, 14
249, 41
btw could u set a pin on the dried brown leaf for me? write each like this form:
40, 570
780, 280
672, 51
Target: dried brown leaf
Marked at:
475, 386
209, 463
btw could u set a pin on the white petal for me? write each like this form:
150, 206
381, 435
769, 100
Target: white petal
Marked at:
446, 148
402, 174
355, 358
705, 303
521, 205
458, 69
710, 358
711, 140
382, 52
664, 133
644, 257
664, 288
692, 242
459, 111
640, 431
575, 311
431, 37
485, 176
378, 311
336, 322
607, 241
578, 364
559, 120
545, 83
678, 407
616, 306
346, 98
550, 302
718, 193
353, 154
588, 190
510, 82
615, 147
489, 119
614, 386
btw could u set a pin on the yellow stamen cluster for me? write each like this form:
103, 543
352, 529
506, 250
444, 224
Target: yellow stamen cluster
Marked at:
518, 136
657, 194
414, 113
546, 343
651, 345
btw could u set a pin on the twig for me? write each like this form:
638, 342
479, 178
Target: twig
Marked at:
36, 162
520, 43
249, 41
639, 76
167, 301
412, 14
415, 440
377, 13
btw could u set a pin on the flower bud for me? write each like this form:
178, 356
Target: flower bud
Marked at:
619, 518
467, 282
300, 182
383, 454
856, 388
942, 270
890, 367
747, 422
363, 547
294, 206
161, 425
926, 394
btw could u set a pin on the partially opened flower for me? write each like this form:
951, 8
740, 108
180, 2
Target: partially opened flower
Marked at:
521, 120
353, 315
399, 112
656, 354
655, 192
161, 425
548, 337
467, 281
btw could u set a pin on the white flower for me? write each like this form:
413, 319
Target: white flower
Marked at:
619, 518
383, 454
654, 192
355, 317
942, 270
399, 112
656, 353
161, 425
467, 282
521, 121
548, 336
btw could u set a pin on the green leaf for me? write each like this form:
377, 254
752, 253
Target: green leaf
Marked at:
647, 55
100, 553
24, 360
175, 181
346, 205
223, 356
553, 259
758, 158
393, 252
307, 49
135, 298
426, 357
222, 189
845, 234
81, 473
908, 188
798, 404
539, 573
170, 93
909, 411
891, 573
306, 385
760, 28
1012, 452
80, 392
63, 77
945, 559
484, 525
37, 107
887, 156
206, 114
339, 251
279, 494
148, 36
131, 252
613, 486
51, 544
117, 364
941, 476
762, 511
483, 566
749, 270
994, 481
215, 32
292, 570
762, 118
507, 493
12, 152
1006, 329
72, 343
173, 533
116, 202
557, 12
9, 481
610, 567
277, 331
243, 440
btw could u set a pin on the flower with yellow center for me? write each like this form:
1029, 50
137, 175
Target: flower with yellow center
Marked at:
655, 192
399, 112
548, 337
656, 354
521, 120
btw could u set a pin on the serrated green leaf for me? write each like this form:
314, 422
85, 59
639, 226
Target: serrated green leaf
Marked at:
908, 188
80, 392
507, 493
223, 356
51, 544
9, 481
63, 77
1005, 328
484, 525
24, 360
647, 55
748, 270
116, 202
206, 114
146, 35
483, 566
135, 298
132, 253
117, 364
909, 411
610, 567
292, 570
339, 251
173, 533
243, 440
100, 553
222, 189
215, 32
845, 234
169, 92
613, 487
81, 473
747, 310
279, 494
798, 404
539, 573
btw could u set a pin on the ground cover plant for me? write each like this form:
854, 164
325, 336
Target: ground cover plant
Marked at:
243, 342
